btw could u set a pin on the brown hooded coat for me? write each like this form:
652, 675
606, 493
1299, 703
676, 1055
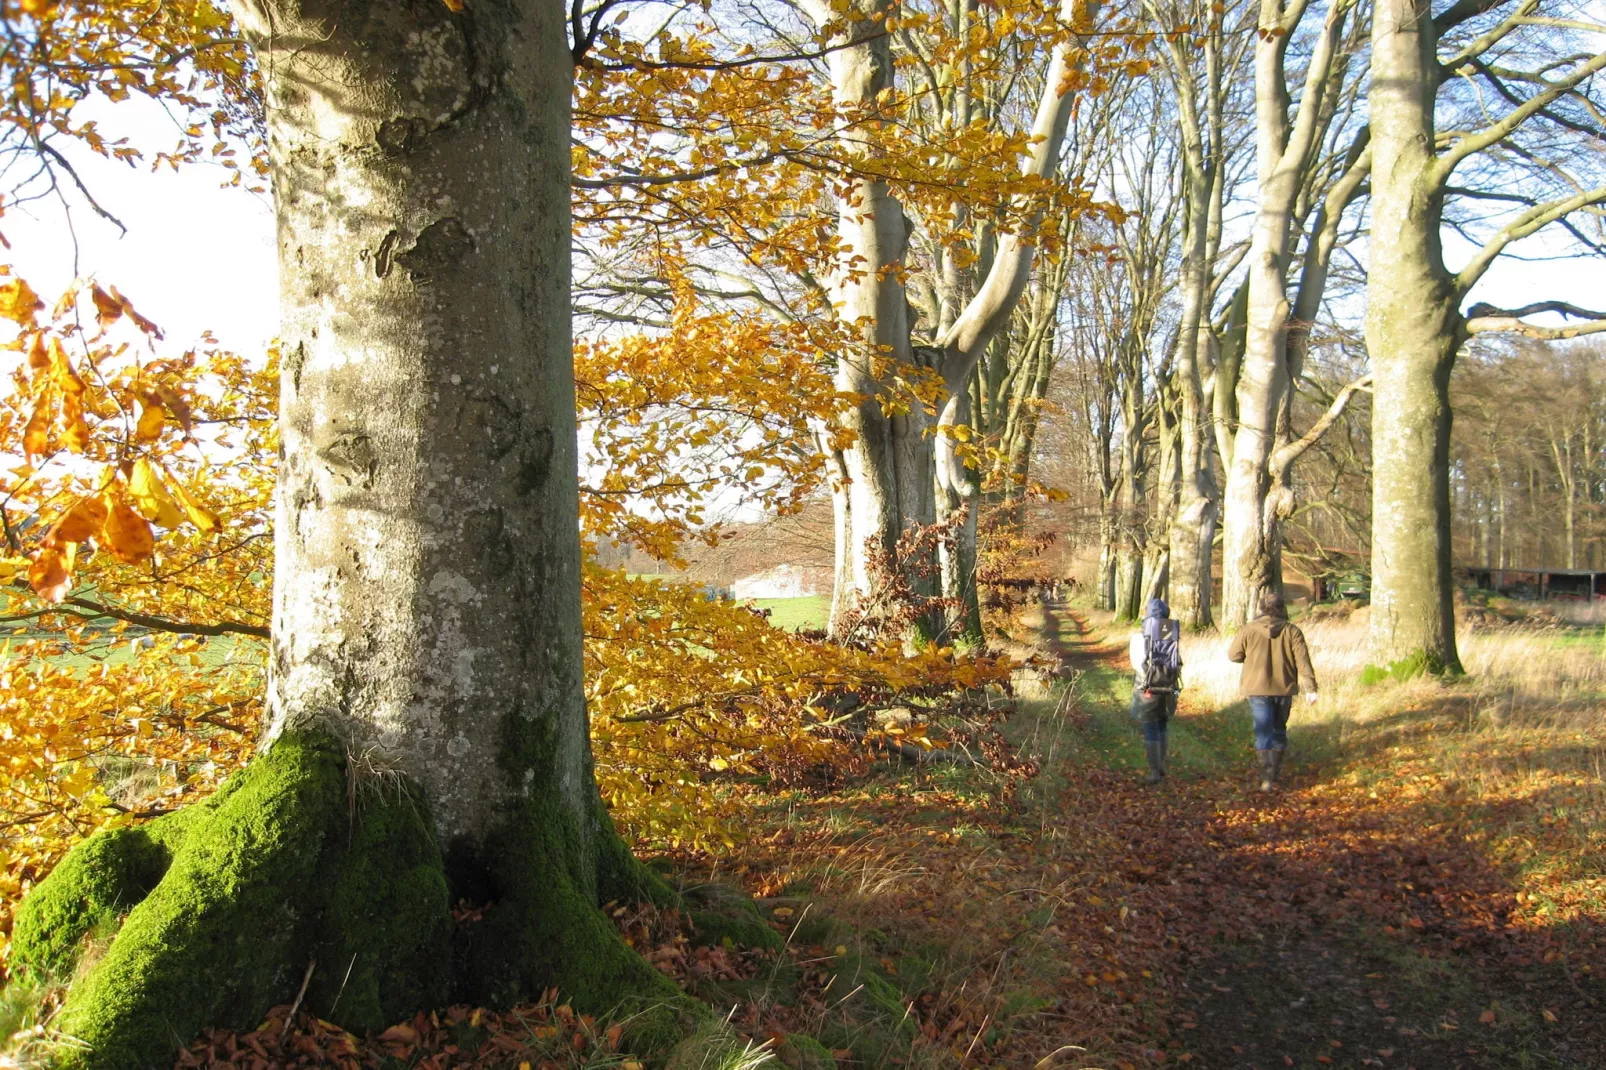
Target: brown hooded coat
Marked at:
1274, 656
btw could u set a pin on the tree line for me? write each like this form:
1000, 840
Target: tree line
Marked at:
1225, 222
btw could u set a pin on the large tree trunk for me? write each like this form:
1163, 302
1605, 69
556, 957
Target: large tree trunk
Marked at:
896, 475
1193, 527
1283, 149
428, 739
889, 464
1413, 328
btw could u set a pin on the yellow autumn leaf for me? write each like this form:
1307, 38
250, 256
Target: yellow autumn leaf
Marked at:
49, 575
18, 302
36, 436
151, 418
125, 533
151, 497
199, 515
79, 524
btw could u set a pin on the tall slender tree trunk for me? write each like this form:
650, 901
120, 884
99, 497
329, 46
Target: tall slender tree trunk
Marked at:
1109, 553
428, 739
1413, 329
1193, 528
896, 468
1283, 147
1131, 543
889, 464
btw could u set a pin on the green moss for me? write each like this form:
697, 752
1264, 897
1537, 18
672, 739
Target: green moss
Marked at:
88, 892
91, 889
290, 871
542, 931
387, 927
720, 913
623, 877
1418, 664
714, 1046
740, 928
223, 935
545, 878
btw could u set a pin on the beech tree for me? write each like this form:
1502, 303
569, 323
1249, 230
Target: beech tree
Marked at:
887, 477
428, 738
1202, 73
1292, 166
1522, 87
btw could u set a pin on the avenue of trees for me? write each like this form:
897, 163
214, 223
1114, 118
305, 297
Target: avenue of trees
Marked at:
557, 274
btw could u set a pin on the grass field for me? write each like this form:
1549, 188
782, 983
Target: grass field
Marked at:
795, 614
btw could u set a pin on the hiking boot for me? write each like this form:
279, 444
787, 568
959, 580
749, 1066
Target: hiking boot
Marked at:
1268, 769
1277, 757
1155, 751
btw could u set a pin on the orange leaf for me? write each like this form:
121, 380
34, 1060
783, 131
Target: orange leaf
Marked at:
1487, 1017
61, 368
36, 436
151, 418
18, 302
38, 356
175, 405
453, 5
79, 524
127, 535
76, 435
140, 321
108, 309
49, 576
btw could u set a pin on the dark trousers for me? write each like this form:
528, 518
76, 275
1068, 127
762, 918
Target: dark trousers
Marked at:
1271, 720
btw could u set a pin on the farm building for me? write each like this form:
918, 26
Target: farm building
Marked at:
1542, 583
782, 581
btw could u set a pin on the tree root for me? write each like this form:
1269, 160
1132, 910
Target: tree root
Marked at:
289, 882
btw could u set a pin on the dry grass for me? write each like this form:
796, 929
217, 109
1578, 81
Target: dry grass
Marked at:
1540, 667
1517, 746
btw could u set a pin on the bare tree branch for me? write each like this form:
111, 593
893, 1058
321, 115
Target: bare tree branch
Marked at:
1484, 318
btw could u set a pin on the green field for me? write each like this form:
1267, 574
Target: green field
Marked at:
794, 614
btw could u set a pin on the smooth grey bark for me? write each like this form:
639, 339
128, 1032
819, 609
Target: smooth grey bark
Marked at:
896, 470
427, 562
1412, 331
1202, 123
1414, 326
428, 738
1284, 147
888, 466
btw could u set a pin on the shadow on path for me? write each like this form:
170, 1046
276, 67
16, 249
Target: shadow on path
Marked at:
1320, 926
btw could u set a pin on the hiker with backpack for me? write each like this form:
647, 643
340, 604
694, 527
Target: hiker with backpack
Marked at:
1277, 667
1156, 655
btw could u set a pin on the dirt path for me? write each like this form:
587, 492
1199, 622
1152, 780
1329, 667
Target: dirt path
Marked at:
1320, 926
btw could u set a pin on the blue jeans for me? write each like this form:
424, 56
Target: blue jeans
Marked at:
1154, 731
1271, 720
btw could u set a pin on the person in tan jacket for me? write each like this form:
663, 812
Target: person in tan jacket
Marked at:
1277, 667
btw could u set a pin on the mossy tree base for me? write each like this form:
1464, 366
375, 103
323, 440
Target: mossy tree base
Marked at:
221, 910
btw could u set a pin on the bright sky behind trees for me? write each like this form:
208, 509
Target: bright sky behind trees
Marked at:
200, 257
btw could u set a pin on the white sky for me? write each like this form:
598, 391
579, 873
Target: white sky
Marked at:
196, 256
